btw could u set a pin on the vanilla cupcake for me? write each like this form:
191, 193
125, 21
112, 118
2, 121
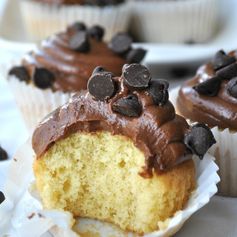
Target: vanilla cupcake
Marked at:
61, 66
170, 21
43, 18
211, 98
118, 152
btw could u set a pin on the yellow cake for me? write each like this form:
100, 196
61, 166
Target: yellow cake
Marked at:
118, 154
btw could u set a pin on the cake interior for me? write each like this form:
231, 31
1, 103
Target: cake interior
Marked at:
96, 175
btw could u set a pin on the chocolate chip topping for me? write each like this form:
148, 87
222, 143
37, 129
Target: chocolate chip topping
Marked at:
101, 86
2, 197
209, 87
158, 89
98, 70
156, 130
135, 55
96, 32
232, 87
199, 139
221, 60
121, 43
43, 78
228, 72
3, 154
136, 76
128, 106
21, 73
80, 42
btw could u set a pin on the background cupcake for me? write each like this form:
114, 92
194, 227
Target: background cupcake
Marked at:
42, 18
169, 21
62, 65
211, 98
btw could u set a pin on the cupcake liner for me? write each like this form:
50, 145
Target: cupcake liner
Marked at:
180, 21
34, 103
42, 20
225, 152
24, 215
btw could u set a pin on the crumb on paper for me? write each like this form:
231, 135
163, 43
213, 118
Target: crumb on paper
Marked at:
31, 216
163, 224
40, 215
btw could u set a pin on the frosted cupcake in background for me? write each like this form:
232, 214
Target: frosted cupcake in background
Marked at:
170, 21
43, 18
62, 65
211, 98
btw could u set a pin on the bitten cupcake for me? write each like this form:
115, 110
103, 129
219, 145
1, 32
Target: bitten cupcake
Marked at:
43, 18
211, 98
118, 152
174, 21
48, 76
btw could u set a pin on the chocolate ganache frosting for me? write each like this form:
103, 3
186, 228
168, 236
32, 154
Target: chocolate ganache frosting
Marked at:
211, 96
66, 60
133, 105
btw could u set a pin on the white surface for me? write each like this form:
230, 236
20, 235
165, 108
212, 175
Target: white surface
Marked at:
12, 30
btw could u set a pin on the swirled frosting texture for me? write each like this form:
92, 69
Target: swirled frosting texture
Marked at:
71, 68
219, 110
157, 131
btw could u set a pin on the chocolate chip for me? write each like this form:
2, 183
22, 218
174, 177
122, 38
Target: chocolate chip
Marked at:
2, 197
43, 78
136, 75
3, 154
121, 43
80, 42
232, 87
128, 106
199, 139
21, 73
77, 26
96, 32
228, 72
179, 72
158, 89
135, 55
98, 69
221, 60
101, 86
209, 87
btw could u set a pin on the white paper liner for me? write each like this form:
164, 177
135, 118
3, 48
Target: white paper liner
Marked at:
225, 152
35, 103
22, 215
174, 21
43, 20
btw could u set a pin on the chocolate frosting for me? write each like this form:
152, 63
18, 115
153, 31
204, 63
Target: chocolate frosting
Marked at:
220, 110
71, 68
158, 132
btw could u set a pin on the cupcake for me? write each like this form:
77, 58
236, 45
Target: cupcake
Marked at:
211, 98
117, 152
169, 21
43, 18
46, 77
